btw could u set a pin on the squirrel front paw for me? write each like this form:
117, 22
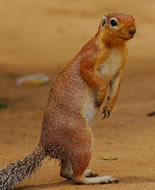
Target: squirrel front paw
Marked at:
100, 100
106, 111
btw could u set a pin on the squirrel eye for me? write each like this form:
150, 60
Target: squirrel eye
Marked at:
113, 22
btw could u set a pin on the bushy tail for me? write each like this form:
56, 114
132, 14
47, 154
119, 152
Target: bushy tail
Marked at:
11, 176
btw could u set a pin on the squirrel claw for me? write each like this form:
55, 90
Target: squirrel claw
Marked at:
98, 105
106, 112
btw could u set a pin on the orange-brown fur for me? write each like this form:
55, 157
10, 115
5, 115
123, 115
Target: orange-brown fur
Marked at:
75, 96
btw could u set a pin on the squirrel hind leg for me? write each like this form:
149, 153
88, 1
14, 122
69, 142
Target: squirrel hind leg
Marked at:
76, 165
76, 169
82, 175
66, 170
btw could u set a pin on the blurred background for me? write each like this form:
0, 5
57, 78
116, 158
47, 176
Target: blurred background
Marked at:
42, 37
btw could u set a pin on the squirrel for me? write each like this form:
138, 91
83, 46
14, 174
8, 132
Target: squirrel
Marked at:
75, 98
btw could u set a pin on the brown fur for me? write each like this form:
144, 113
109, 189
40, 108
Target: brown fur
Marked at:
75, 96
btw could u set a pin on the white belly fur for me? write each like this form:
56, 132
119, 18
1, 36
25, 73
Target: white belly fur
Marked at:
110, 68
89, 109
112, 64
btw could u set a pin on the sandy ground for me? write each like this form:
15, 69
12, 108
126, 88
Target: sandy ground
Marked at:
42, 36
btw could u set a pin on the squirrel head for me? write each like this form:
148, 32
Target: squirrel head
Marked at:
117, 28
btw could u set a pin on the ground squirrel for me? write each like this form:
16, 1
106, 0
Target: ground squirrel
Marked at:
74, 99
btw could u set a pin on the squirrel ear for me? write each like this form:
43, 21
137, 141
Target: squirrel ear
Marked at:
102, 23
104, 19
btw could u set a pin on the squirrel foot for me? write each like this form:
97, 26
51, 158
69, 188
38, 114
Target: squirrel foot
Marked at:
90, 173
108, 179
96, 180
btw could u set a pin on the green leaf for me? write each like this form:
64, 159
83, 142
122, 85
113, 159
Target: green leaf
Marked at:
3, 106
109, 158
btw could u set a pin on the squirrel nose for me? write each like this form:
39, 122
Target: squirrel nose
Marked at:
132, 31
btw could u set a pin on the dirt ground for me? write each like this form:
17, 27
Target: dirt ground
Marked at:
41, 37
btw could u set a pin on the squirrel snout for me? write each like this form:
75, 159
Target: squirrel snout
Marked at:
132, 31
